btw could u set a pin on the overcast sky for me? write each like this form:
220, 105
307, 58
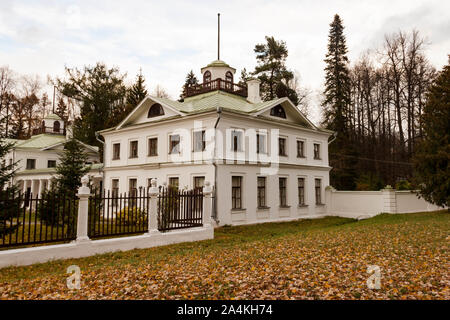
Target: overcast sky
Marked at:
168, 38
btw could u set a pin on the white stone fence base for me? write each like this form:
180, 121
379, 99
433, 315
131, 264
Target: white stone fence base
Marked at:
366, 204
84, 247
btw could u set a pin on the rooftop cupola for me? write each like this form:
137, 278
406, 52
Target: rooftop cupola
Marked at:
218, 69
217, 75
51, 124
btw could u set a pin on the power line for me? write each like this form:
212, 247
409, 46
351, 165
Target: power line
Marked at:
374, 160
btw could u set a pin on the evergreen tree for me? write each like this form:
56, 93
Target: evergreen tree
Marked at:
137, 92
432, 159
191, 80
335, 104
9, 200
99, 91
272, 72
71, 168
62, 110
244, 77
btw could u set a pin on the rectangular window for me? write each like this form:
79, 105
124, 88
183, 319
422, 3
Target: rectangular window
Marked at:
260, 143
133, 149
174, 144
115, 191
318, 188
301, 191
282, 182
261, 192
199, 182
149, 182
316, 151
174, 182
199, 141
133, 188
51, 164
116, 151
236, 140
31, 164
300, 149
282, 146
236, 192
152, 147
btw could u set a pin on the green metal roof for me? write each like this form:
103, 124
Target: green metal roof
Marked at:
40, 141
218, 63
212, 100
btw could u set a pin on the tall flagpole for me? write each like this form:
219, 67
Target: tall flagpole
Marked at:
218, 36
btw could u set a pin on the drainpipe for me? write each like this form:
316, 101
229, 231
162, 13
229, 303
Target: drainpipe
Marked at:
219, 112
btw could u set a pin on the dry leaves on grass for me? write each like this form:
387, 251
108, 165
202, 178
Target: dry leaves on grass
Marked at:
320, 264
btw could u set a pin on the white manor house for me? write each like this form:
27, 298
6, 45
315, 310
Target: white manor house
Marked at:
265, 160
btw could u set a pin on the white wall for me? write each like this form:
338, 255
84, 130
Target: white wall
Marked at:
407, 201
364, 204
251, 213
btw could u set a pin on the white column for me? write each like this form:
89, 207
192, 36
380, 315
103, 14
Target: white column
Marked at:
83, 206
153, 193
389, 200
207, 205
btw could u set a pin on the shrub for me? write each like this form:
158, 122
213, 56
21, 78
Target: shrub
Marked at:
132, 216
403, 185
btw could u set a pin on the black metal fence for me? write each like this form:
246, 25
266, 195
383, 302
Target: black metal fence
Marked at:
112, 214
26, 219
178, 209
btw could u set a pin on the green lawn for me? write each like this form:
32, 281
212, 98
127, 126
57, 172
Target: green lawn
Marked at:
307, 259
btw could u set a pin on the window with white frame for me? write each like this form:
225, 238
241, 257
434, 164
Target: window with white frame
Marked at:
152, 147
236, 140
261, 192
174, 143
282, 184
236, 192
300, 149
282, 147
199, 141
134, 149
260, 143
316, 151
116, 151
301, 191
318, 191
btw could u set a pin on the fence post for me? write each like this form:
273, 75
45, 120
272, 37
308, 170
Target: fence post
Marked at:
153, 193
389, 200
207, 205
329, 199
83, 208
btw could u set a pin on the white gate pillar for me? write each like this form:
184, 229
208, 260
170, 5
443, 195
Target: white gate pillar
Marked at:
389, 200
153, 193
207, 205
83, 208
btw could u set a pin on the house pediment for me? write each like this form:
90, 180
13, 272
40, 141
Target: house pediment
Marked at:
151, 109
285, 111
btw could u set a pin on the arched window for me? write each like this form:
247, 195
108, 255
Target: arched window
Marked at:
206, 77
155, 111
56, 126
278, 111
229, 76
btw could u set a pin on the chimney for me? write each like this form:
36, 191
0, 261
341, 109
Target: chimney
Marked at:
253, 91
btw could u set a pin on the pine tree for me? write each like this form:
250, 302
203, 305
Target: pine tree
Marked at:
272, 71
137, 92
62, 110
191, 80
432, 159
99, 91
336, 103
